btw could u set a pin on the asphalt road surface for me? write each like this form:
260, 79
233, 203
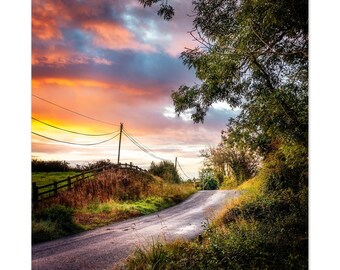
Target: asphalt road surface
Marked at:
107, 247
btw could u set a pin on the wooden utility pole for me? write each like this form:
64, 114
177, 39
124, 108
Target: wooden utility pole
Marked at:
120, 141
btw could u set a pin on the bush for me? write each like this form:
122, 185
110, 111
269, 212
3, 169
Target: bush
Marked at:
260, 233
264, 229
211, 184
49, 166
165, 170
53, 222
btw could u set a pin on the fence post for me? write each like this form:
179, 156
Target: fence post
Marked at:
131, 165
68, 183
35, 194
55, 187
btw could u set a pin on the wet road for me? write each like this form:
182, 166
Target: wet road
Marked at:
106, 247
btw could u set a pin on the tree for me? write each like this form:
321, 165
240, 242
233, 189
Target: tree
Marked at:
252, 55
238, 162
166, 170
166, 11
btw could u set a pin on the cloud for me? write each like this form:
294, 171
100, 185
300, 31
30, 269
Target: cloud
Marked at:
59, 56
118, 62
45, 20
114, 37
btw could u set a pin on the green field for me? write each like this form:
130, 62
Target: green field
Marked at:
44, 178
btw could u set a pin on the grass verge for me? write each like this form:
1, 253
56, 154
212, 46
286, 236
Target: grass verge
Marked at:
117, 197
259, 230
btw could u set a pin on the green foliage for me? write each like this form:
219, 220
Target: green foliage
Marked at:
260, 231
232, 161
287, 167
142, 207
165, 170
44, 178
229, 183
166, 11
53, 222
211, 184
111, 196
255, 57
208, 182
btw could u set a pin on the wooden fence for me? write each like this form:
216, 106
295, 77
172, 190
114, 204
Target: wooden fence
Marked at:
50, 190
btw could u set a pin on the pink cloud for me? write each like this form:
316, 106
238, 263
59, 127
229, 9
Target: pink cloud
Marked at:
62, 56
113, 36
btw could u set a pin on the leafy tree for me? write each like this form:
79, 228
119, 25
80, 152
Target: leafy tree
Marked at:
166, 170
166, 11
253, 55
231, 161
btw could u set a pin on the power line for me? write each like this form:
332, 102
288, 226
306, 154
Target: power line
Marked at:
83, 115
75, 132
179, 165
82, 144
144, 149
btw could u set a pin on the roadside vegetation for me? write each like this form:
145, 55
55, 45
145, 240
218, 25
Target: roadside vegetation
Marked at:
111, 196
265, 228
252, 55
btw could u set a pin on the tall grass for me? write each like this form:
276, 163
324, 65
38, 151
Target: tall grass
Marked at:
259, 230
119, 185
112, 195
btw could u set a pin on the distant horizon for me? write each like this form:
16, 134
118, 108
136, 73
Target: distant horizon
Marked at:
97, 64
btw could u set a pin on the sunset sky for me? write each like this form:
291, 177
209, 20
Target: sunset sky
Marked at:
114, 61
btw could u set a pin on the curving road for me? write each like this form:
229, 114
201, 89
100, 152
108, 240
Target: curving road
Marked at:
108, 246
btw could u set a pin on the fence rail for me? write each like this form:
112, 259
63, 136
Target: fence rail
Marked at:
50, 190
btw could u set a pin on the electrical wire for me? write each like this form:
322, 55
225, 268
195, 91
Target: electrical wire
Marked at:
83, 115
74, 132
179, 165
144, 149
82, 144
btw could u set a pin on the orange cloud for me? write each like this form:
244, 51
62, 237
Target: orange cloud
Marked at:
45, 23
45, 29
118, 87
57, 57
36, 83
114, 36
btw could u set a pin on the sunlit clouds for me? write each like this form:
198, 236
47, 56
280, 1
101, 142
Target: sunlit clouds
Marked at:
116, 62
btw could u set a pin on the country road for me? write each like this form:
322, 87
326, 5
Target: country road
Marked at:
108, 246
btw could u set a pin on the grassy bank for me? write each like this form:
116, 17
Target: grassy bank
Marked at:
260, 230
44, 178
110, 197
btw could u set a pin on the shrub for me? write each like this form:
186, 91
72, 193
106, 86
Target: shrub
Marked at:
53, 222
263, 229
165, 170
211, 184
49, 166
